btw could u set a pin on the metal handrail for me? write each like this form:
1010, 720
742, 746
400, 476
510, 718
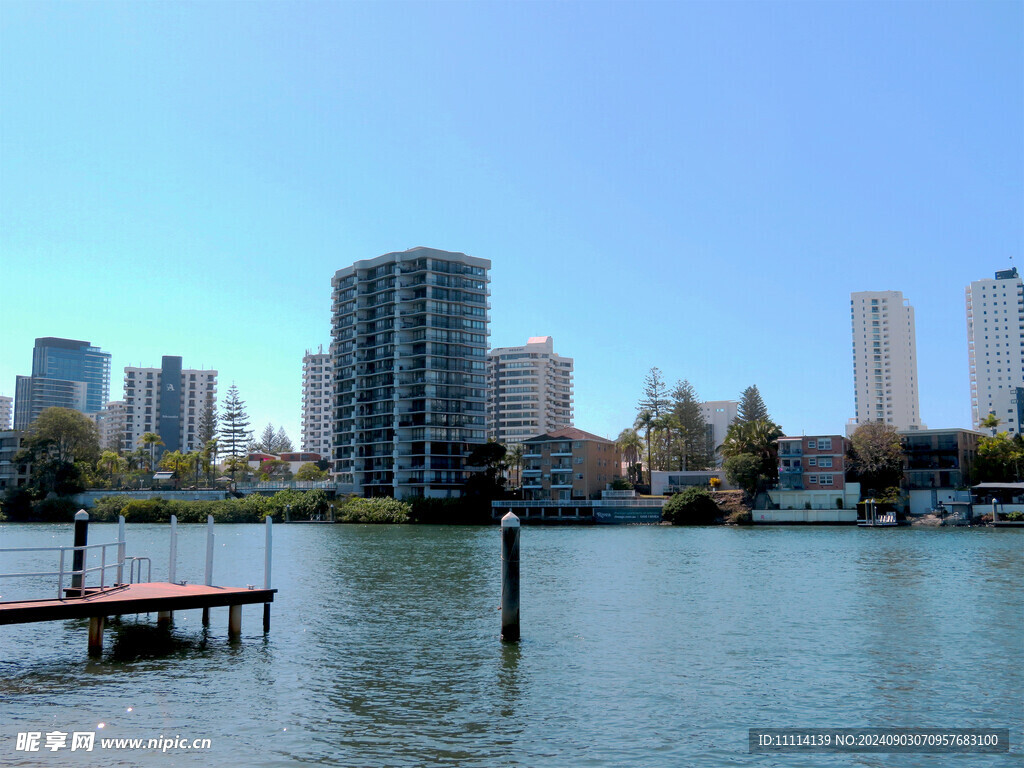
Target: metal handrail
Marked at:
102, 567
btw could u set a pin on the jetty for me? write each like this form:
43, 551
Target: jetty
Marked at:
118, 597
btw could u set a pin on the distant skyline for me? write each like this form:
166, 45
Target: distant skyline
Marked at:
694, 186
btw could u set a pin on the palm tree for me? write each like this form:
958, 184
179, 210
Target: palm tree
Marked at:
152, 439
632, 449
514, 458
990, 422
645, 421
666, 423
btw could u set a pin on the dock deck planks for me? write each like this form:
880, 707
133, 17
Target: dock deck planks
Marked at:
150, 597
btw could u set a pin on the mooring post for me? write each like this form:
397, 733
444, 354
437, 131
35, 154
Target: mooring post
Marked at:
120, 549
96, 635
78, 560
510, 577
266, 571
208, 580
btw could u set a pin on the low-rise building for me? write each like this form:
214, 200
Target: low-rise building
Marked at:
939, 458
811, 463
668, 482
568, 464
13, 474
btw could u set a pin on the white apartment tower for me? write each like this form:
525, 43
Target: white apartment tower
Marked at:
718, 415
169, 401
995, 340
884, 359
409, 356
316, 402
531, 391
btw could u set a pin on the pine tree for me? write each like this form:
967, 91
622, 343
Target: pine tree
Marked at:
655, 397
267, 442
691, 429
207, 421
282, 442
752, 407
234, 435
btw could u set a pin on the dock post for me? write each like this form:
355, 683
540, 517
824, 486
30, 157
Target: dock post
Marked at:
172, 568
96, 635
266, 571
209, 564
78, 560
120, 549
234, 621
510, 577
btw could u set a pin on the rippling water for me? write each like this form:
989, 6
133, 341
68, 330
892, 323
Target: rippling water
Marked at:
642, 646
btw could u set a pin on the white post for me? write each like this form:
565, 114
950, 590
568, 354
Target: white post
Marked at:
120, 549
172, 569
208, 580
209, 550
266, 571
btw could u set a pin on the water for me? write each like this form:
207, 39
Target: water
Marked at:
642, 646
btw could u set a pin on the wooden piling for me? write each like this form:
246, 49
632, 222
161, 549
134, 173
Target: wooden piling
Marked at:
81, 540
235, 621
510, 578
96, 635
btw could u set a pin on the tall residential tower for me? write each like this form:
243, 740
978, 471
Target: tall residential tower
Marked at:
995, 340
409, 355
167, 400
531, 391
884, 359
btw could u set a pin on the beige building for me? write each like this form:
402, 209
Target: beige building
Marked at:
111, 422
316, 402
6, 411
530, 390
568, 464
169, 401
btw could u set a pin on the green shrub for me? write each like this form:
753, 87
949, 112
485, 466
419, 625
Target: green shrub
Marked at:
694, 506
58, 509
108, 508
1013, 517
377, 510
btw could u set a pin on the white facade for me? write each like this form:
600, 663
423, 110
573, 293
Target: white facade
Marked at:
884, 359
316, 402
409, 353
6, 412
142, 390
718, 415
995, 339
111, 422
531, 391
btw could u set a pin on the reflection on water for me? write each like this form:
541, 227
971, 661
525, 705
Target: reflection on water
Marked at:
642, 646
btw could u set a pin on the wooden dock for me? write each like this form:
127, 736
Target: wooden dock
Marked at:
153, 597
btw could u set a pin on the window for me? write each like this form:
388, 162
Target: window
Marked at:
825, 461
826, 480
825, 444
812, 478
812, 462
812, 443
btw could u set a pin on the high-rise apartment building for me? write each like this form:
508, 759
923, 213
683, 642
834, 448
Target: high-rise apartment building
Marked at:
65, 374
6, 412
169, 401
884, 359
316, 402
531, 391
995, 342
409, 356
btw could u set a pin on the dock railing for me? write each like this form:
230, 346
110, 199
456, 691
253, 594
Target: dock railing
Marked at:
82, 573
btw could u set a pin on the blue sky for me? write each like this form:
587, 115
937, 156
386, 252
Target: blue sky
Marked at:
697, 186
